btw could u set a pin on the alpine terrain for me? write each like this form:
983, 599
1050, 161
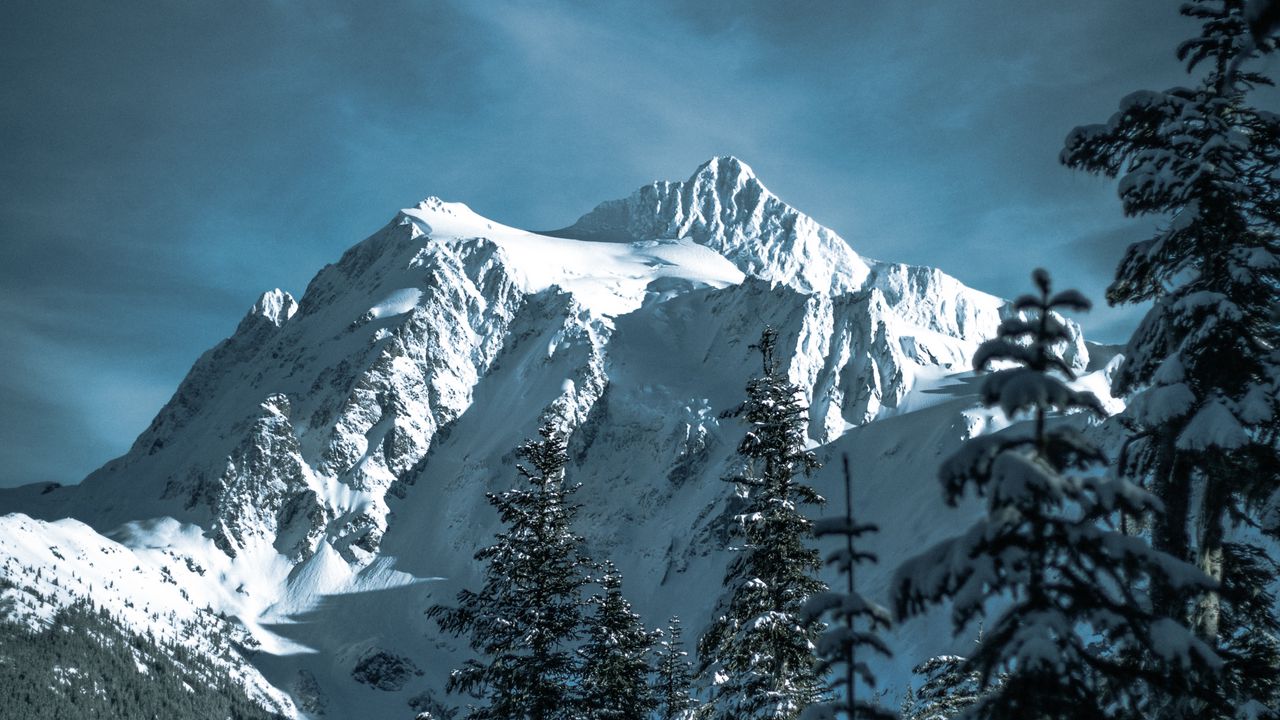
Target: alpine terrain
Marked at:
318, 480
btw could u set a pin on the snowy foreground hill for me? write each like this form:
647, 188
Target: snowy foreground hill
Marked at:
317, 481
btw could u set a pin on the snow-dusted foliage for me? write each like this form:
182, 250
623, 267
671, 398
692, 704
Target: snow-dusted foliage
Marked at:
1249, 634
615, 657
168, 594
1202, 369
88, 664
1070, 617
525, 620
949, 688
760, 650
855, 622
673, 675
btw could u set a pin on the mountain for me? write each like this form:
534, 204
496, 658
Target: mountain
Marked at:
325, 465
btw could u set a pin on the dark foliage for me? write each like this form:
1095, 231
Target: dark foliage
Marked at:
673, 685
856, 622
86, 665
526, 620
1202, 371
615, 657
1079, 638
760, 647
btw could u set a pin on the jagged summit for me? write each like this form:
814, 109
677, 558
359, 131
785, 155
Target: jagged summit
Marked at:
433, 202
275, 306
449, 217
620, 221
728, 169
725, 207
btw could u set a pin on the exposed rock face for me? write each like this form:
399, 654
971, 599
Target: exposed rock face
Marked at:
384, 670
384, 350
310, 697
264, 494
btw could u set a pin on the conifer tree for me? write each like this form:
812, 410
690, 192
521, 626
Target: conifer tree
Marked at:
839, 644
951, 686
760, 648
1076, 632
526, 619
673, 684
949, 689
1249, 635
615, 657
1202, 372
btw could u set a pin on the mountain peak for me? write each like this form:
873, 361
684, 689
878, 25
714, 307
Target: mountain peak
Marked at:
433, 204
726, 181
725, 166
276, 306
724, 206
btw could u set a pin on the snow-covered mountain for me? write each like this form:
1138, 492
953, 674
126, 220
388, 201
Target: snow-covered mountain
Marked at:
325, 466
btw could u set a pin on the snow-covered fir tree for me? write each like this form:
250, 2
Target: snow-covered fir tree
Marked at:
1202, 372
760, 648
1073, 625
526, 620
673, 675
1249, 634
615, 657
949, 688
856, 621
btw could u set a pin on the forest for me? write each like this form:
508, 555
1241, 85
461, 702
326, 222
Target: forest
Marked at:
87, 664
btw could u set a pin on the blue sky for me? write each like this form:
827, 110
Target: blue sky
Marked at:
161, 164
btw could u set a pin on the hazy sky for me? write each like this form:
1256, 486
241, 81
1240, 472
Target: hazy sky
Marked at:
163, 164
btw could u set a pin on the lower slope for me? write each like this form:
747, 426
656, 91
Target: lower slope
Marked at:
86, 663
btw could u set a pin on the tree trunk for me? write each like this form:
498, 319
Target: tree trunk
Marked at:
1172, 484
1210, 530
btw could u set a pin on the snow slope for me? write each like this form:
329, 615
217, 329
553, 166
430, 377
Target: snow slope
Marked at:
328, 461
173, 583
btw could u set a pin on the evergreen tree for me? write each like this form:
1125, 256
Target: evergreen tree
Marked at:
615, 657
949, 689
951, 686
1249, 635
1202, 372
1076, 634
526, 619
839, 644
760, 648
673, 684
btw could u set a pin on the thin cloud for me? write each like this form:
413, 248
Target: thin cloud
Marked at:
161, 168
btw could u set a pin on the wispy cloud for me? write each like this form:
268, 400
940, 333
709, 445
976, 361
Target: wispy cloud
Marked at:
162, 165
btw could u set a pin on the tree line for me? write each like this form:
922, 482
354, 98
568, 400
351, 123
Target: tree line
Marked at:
87, 664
